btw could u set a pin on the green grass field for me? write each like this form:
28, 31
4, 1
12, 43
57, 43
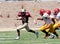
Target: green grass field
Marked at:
26, 38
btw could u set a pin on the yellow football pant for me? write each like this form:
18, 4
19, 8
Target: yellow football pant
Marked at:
56, 25
47, 28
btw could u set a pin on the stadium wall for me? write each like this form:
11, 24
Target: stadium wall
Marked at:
9, 11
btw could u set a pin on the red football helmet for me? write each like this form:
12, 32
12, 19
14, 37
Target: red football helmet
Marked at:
48, 12
56, 10
42, 11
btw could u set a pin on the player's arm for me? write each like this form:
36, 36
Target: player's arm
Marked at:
39, 18
32, 17
29, 15
19, 16
44, 22
50, 20
34, 20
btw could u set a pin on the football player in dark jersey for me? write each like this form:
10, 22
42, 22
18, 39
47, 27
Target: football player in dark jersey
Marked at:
24, 16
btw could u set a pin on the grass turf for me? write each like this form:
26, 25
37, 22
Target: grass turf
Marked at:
26, 38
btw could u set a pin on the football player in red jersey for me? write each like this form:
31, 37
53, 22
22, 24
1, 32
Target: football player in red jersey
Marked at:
24, 16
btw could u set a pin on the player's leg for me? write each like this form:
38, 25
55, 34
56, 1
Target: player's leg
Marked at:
55, 33
30, 30
51, 31
18, 36
56, 26
19, 28
46, 34
43, 29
